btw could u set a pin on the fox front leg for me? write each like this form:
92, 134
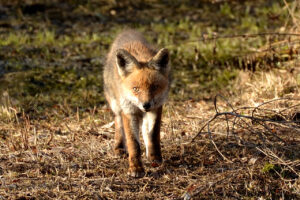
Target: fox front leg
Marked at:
151, 135
131, 129
119, 147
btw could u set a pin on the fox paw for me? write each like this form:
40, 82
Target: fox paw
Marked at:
155, 161
136, 172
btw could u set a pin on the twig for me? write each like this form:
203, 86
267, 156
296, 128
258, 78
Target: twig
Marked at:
240, 116
273, 155
212, 119
215, 37
264, 103
291, 14
262, 121
212, 141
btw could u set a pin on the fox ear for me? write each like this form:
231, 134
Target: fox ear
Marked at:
160, 60
125, 62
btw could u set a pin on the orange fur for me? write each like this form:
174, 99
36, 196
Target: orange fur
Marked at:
136, 84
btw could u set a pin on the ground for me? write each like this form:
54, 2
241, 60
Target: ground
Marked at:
230, 128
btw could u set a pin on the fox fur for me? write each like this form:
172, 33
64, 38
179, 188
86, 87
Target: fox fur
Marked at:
136, 85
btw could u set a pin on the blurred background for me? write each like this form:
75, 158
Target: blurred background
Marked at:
52, 52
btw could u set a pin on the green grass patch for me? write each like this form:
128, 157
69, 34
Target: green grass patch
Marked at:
59, 54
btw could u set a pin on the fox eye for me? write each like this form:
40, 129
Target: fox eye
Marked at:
154, 87
136, 89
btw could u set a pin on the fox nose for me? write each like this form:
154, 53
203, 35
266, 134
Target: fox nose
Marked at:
146, 105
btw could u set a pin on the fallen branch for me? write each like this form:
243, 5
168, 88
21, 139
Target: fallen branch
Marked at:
264, 122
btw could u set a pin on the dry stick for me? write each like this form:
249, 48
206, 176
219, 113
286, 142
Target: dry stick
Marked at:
295, 128
278, 44
291, 106
212, 141
215, 37
212, 119
269, 129
273, 155
240, 116
244, 36
276, 113
291, 14
251, 129
261, 121
264, 123
247, 54
256, 118
208, 130
227, 125
233, 129
282, 161
264, 103
270, 48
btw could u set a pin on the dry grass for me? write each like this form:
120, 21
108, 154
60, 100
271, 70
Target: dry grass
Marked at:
72, 158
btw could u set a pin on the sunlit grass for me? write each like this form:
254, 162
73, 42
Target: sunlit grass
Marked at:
16, 39
51, 61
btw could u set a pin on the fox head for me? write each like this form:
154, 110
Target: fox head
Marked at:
144, 84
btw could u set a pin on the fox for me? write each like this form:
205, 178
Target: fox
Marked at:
136, 86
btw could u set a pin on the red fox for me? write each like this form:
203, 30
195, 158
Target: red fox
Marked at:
136, 85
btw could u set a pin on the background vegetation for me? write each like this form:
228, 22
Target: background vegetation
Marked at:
55, 130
